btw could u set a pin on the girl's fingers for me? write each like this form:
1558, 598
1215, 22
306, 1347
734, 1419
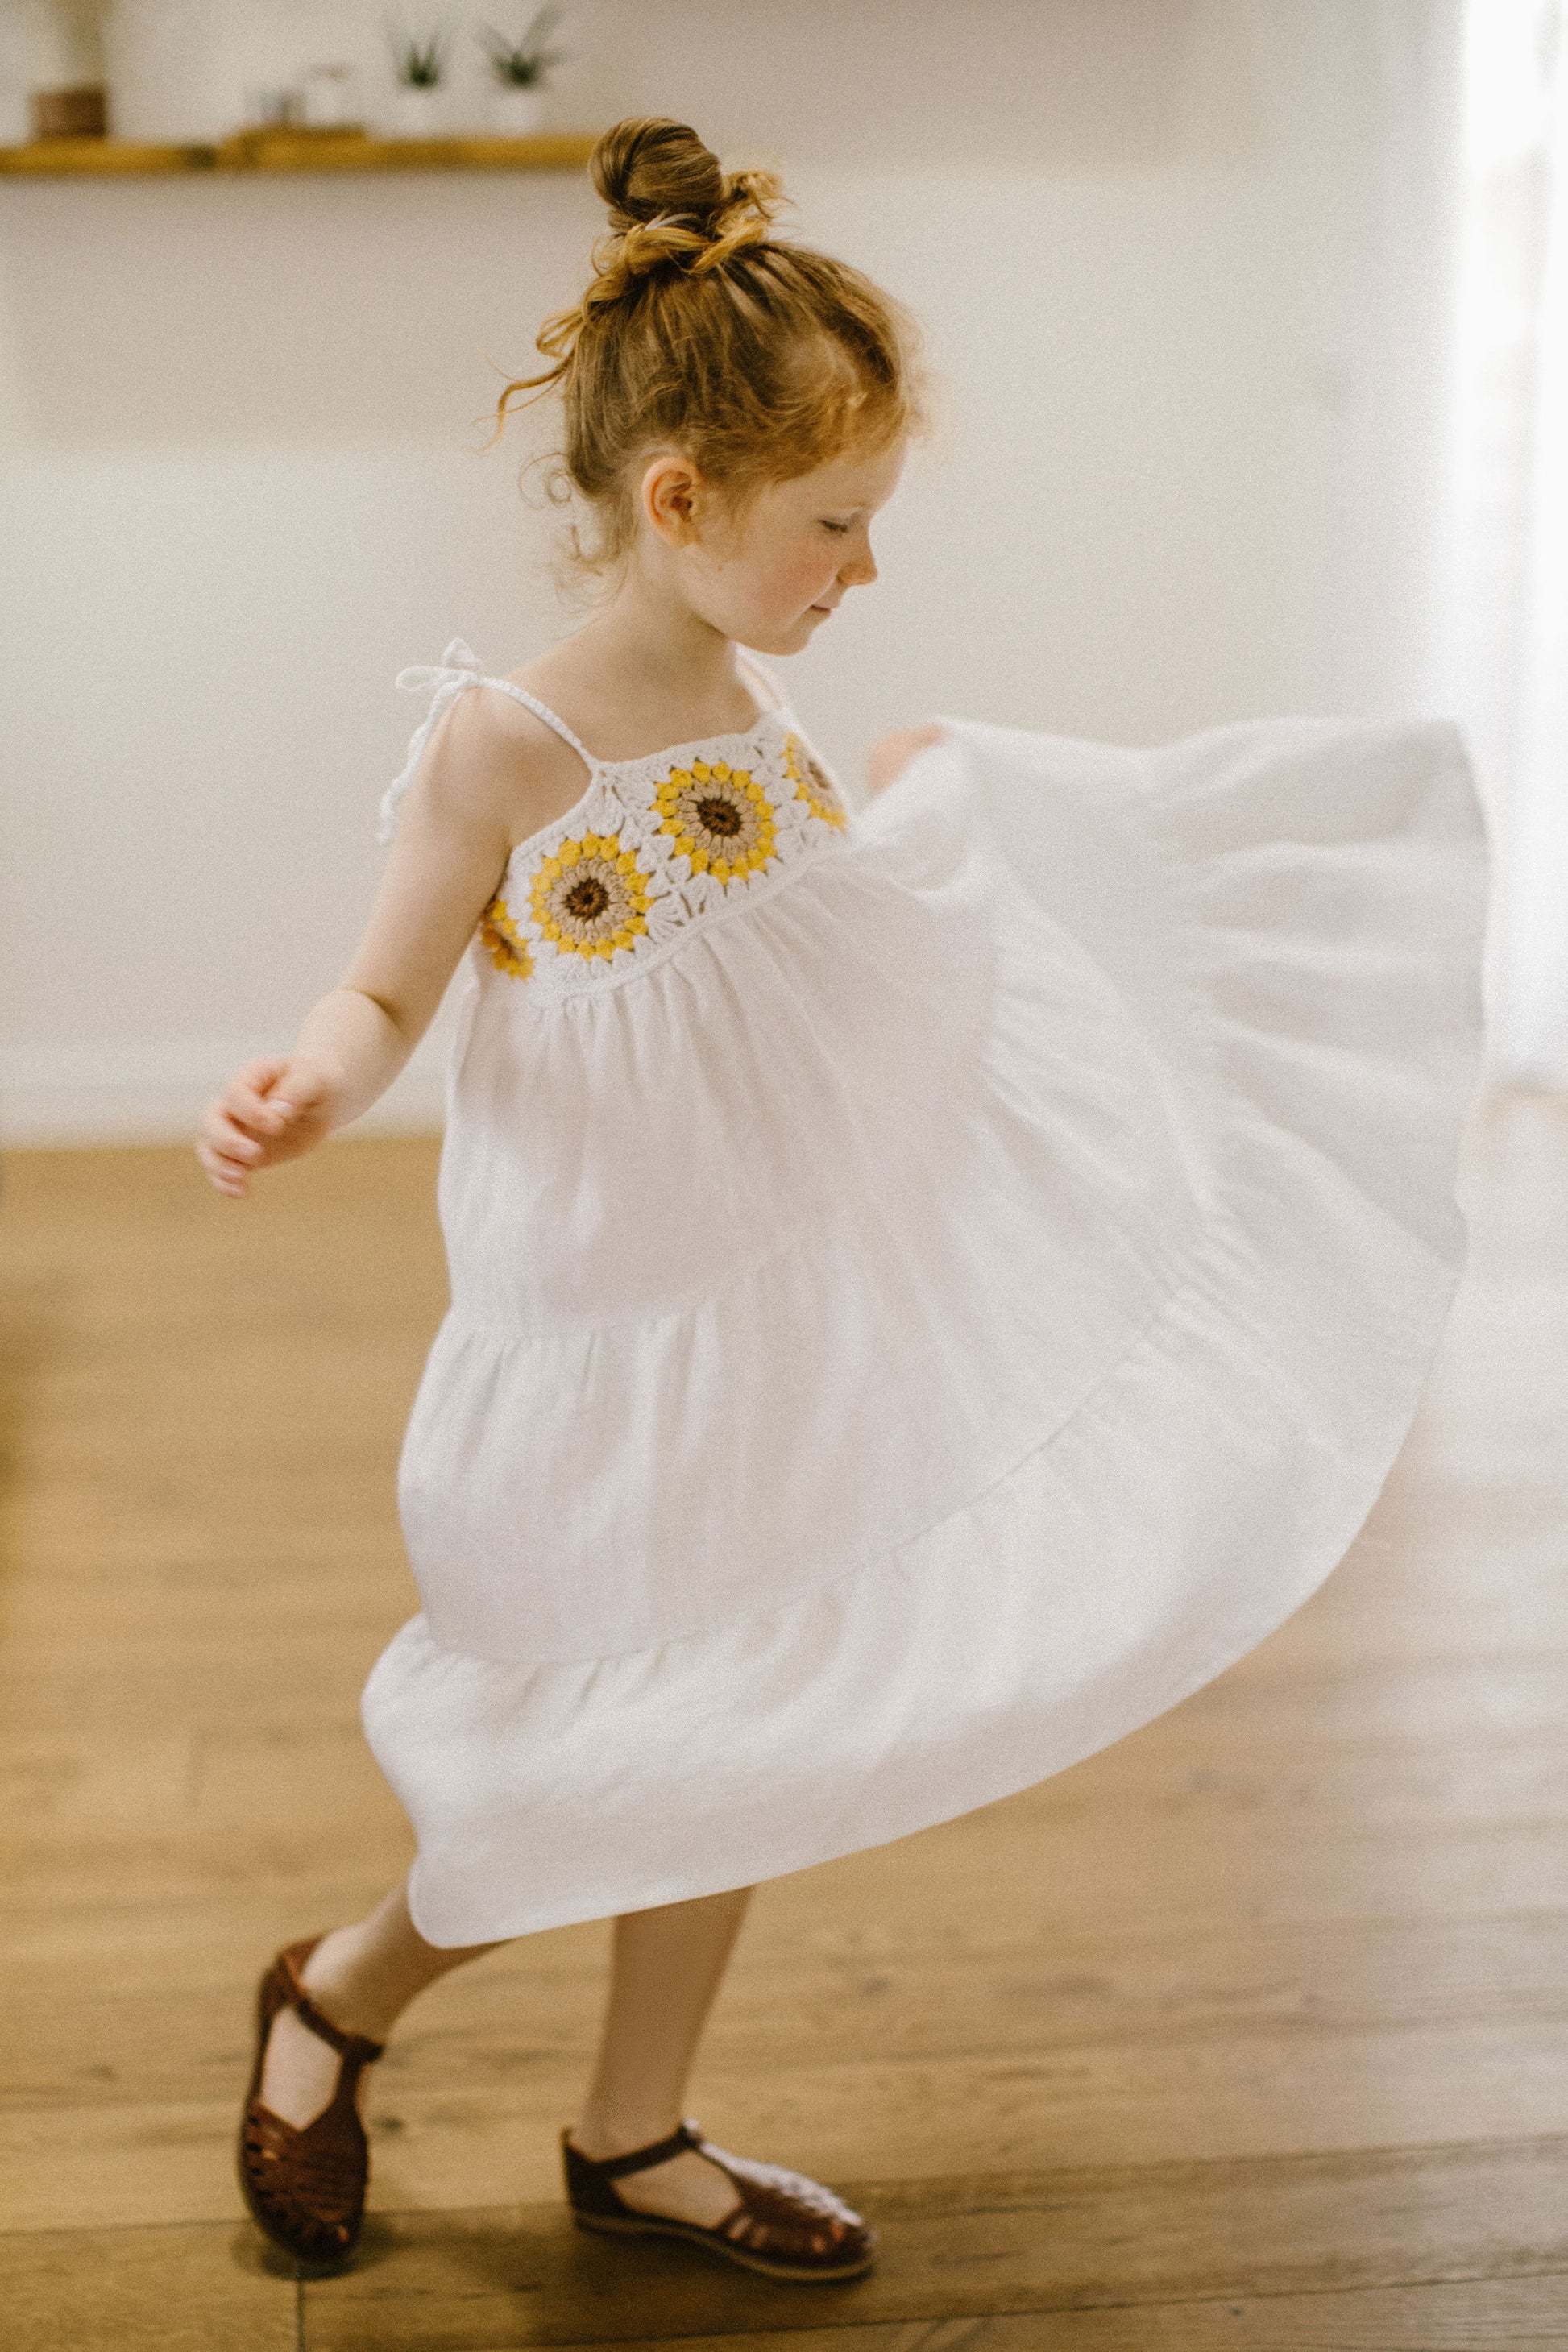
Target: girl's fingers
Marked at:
227, 1137
240, 1102
226, 1151
301, 1088
243, 1126
221, 1174
248, 1093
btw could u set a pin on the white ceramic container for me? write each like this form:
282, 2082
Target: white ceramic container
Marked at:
516, 113
418, 113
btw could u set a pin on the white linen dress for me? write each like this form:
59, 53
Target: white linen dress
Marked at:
929, 1290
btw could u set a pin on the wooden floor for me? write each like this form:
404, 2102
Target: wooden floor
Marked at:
1250, 2034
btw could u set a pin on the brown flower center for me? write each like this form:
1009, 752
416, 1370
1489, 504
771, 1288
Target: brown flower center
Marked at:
719, 816
586, 897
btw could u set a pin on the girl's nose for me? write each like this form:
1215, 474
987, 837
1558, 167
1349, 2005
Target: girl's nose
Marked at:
860, 569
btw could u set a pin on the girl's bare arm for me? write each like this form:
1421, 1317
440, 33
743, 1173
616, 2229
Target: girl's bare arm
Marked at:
892, 754
454, 835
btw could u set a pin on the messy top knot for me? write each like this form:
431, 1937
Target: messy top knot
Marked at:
671, 205
758, 358
648, 165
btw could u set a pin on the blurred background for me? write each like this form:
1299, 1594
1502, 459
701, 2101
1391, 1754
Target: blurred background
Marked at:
1250, 321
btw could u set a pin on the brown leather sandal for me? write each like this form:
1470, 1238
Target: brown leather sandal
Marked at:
306, 2188
783, 2224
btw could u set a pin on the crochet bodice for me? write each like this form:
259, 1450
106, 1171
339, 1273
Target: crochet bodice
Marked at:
655, 846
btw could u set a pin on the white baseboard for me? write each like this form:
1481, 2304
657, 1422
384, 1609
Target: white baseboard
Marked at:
153, 1090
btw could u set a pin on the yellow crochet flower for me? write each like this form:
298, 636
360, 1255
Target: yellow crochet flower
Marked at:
812, 783
718, 817
591, 897
498, 934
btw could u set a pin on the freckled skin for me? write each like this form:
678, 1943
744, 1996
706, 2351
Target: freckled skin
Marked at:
771, 575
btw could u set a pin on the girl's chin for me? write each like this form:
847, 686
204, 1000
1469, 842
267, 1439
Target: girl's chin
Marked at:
787, 636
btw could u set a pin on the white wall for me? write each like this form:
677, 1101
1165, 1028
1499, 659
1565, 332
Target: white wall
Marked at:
1183, 264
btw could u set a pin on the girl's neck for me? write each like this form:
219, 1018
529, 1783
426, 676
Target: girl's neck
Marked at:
656, 639
645, 672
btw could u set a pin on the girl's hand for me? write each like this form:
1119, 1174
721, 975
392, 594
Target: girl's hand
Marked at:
269, 1112
889, 757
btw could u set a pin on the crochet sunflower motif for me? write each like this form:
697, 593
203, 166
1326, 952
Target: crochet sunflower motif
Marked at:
592, 897
812, 784
718, 816
650, 854
507, 950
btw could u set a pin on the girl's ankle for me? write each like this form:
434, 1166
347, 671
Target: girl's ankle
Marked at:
344, 1987
601, 2133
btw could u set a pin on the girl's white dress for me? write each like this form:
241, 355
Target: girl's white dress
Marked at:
927, 1290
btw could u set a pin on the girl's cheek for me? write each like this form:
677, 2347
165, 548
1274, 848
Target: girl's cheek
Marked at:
813, 578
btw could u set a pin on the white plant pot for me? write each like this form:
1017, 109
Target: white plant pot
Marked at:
516, 113
418, 113
330, 97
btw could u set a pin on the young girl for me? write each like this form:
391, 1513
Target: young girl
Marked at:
927, 1292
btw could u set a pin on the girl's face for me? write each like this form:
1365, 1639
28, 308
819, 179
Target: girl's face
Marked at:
773, 574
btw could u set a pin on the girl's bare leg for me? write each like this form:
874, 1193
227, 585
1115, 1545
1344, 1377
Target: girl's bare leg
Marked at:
667, 1966
363, 1978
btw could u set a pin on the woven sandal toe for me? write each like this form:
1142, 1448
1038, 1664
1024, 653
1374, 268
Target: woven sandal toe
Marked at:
782, 2224
306, 2186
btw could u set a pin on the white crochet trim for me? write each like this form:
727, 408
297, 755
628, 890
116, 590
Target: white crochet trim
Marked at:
621, 801
459, 667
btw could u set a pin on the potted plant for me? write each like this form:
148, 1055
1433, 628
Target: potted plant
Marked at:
518, 66
419, 62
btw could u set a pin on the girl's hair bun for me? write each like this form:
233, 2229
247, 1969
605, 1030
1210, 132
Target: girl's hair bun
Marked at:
656, 176
648, 165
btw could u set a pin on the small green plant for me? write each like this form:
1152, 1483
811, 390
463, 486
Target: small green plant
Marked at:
523, 62
418, 61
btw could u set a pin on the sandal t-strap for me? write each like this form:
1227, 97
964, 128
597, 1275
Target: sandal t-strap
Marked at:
306, 2187
782, 2224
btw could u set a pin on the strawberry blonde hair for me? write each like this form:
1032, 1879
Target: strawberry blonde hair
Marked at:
758, 359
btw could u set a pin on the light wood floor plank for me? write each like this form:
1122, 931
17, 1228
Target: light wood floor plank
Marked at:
106, 2290
956, 2249
441, 2145
1529, 2315
537, 2004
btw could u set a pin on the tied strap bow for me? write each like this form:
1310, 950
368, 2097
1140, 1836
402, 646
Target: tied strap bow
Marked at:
458, 669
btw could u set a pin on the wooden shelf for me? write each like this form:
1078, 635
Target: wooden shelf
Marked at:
260, 151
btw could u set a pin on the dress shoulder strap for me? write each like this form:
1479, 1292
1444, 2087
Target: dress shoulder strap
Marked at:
543, 710
458, 669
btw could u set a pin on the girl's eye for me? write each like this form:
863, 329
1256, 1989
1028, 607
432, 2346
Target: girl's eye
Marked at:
838, 528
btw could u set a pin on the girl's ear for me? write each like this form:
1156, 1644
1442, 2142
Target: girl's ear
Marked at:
669, 497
